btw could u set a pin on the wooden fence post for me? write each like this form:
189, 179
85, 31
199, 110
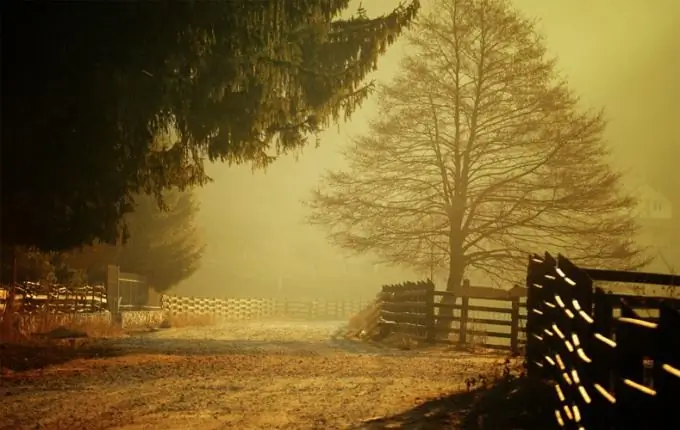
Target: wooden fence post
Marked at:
431, 319
535, 347
629, 363
464, 305
603, 324
576, 293
384, 329
514, 326
667, 363
602, 355
597, 362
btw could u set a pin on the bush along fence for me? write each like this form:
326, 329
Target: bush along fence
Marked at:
418, 310
611, 367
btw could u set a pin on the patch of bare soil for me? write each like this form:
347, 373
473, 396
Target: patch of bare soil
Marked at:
257, 375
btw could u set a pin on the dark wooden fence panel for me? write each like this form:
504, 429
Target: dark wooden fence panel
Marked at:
609, 372
413, 308
407, 308
504, 322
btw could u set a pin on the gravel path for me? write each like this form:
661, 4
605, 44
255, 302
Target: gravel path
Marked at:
251, 375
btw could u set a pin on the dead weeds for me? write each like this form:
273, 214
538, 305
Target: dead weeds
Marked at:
36, 340
189, 320
500, 399
18, 326
518, 403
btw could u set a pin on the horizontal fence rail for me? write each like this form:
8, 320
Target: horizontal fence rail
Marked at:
32, 298
495, 320
408, 308
612, 365
418, 310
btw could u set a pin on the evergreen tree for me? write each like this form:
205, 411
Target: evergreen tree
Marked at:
163, 246
88, 88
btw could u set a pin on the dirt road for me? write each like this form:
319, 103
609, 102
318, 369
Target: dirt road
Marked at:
251, 375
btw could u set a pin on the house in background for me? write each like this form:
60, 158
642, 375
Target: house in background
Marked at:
652, 204
660, 228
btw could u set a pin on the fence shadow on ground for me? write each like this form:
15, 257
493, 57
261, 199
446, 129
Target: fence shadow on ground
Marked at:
517, 404
19, 357
23, 357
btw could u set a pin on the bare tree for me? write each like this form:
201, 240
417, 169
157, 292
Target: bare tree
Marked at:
482, 153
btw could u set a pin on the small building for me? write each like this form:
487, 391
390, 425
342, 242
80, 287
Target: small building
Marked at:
659, 229
652, 205
129, 291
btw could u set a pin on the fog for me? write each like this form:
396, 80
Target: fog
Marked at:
616, 54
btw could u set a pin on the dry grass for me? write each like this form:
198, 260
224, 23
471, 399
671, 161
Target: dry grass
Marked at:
174, 384
171, 382
94, 325
44, 339
189, 320
476, 338
401, 340
364, 323
19, 327
498, 397
510, 404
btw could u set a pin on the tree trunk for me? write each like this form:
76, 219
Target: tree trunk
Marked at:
453, 285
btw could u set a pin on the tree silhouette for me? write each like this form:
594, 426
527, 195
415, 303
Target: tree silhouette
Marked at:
164, 245
89, 87
481, 153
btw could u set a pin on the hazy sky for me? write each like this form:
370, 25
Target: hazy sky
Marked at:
618, 54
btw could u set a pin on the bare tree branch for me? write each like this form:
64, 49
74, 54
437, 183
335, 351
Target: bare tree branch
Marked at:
479, 155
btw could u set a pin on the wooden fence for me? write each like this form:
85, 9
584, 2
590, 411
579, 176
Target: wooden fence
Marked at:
409, 308
129, 291
57, 299
31, 298
417, 309
612, 367
123, 292
249, 308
